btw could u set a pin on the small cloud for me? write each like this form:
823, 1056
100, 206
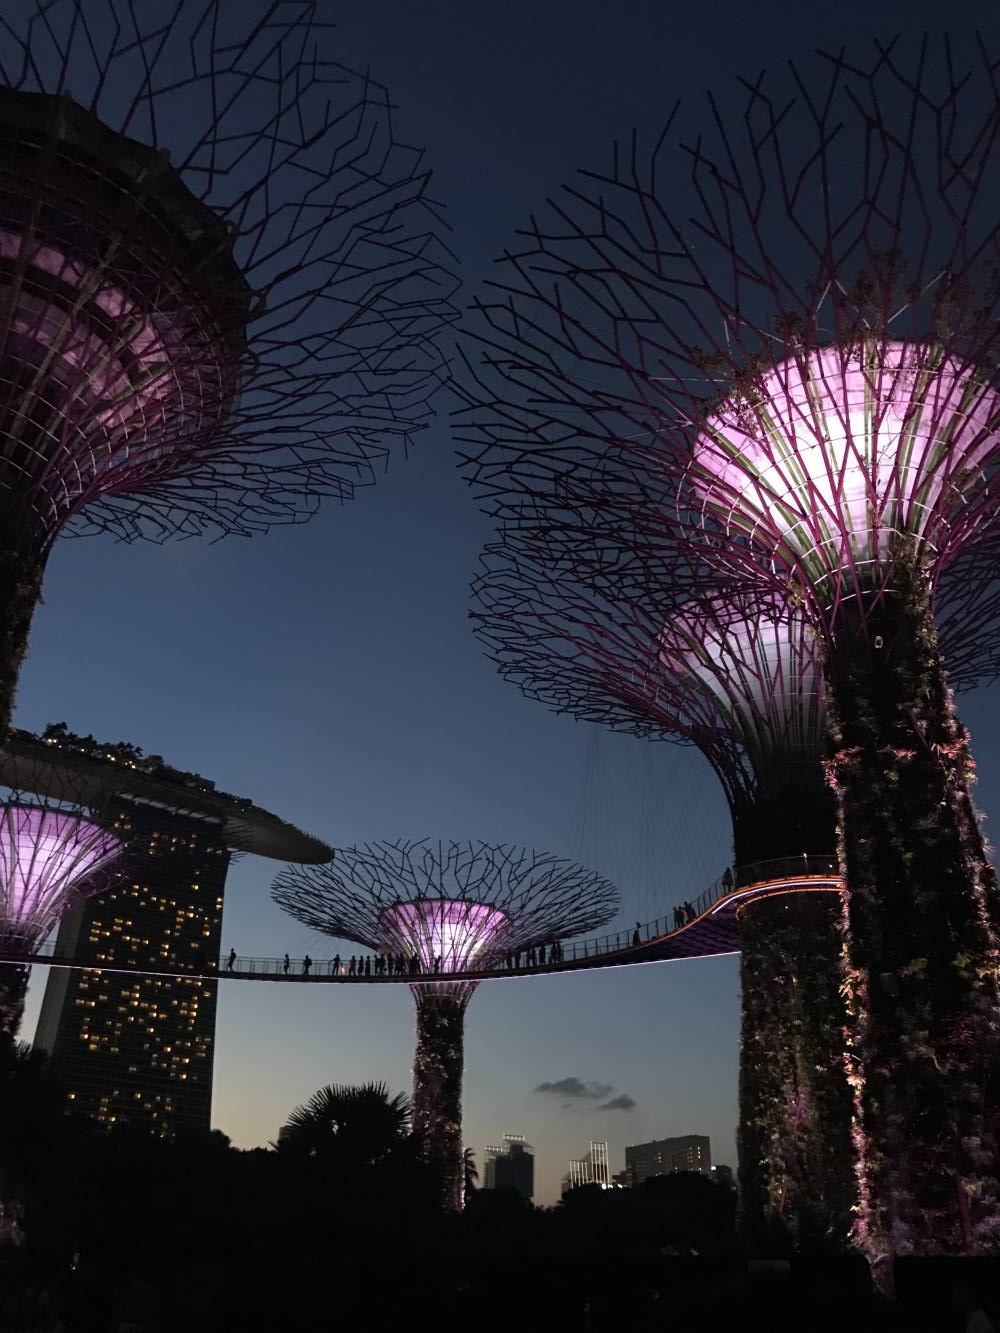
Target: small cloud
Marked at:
576, 1088
621, 1103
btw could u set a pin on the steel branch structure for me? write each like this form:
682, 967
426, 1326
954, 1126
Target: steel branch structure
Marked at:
50, 860
221, 278
445, 907
774, 350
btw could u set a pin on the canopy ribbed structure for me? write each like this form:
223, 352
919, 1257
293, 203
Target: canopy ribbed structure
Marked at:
51, 859
445, 907
222, 279
768, 344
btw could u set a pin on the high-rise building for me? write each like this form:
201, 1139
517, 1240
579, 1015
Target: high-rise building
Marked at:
129, 1046
138, 1046
510, 1167
689, 1152
590, 1169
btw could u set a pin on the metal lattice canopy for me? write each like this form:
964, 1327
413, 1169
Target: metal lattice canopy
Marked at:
463, 902
222, 277
625, 636
50, 860
741, 683
774, 332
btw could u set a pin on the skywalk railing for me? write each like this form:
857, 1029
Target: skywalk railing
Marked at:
792, 872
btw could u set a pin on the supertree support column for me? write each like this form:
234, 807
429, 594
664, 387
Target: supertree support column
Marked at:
590, 630
444, 935
797, 1179
438, 1066
221, 279
445, 908
776, 359
51, 859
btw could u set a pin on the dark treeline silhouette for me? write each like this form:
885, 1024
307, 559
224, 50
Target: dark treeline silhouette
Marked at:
339, 1219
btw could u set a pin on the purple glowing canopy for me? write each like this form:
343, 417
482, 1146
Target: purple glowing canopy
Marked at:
737, 676
760, 669
49, 861
829, 456
462, 902
460, 934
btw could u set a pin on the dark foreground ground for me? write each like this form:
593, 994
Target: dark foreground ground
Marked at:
339, 1226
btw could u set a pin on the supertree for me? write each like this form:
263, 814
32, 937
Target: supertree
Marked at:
452, 908
53, 856
590, 632
780, 355
221, 278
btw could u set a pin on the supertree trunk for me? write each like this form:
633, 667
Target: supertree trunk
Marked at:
13, 991
921, 938
20, 589
796, 1160
437, 1083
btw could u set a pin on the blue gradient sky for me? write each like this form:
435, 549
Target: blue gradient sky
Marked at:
329, 672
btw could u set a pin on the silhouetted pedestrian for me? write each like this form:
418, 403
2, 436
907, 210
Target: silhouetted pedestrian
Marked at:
368, 965
352, 966
517, 959
232, 960
307, 963
414, 965
541, 954
286, 965
727, 879
636, 937
336, 964
678, 917
437, 963
689, 912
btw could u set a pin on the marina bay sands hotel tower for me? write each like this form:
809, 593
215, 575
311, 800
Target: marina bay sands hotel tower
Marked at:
137, 1046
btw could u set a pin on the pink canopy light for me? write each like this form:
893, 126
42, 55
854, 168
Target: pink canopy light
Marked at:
829, 456
460, 934
760, 672
48, 860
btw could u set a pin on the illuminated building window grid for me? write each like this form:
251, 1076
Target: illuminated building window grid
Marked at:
162, 1029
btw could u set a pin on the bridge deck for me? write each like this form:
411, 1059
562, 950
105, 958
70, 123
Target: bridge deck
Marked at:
709, 929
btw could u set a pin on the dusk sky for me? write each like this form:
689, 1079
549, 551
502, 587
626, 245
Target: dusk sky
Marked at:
329, 672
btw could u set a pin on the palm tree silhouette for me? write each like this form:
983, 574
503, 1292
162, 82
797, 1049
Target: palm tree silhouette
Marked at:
470, 1170
358, 1125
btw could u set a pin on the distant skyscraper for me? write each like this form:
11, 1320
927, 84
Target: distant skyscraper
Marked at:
511, 1167
136, 1046
689, 1152
590, 1169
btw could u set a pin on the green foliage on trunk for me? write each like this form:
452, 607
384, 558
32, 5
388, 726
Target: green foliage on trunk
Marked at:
797, 1181
921, 974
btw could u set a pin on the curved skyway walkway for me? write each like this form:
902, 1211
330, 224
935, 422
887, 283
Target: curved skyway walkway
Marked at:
703, 929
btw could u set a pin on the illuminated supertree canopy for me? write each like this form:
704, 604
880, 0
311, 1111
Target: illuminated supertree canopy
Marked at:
51, 859
775, 350
221, 278
447, 908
